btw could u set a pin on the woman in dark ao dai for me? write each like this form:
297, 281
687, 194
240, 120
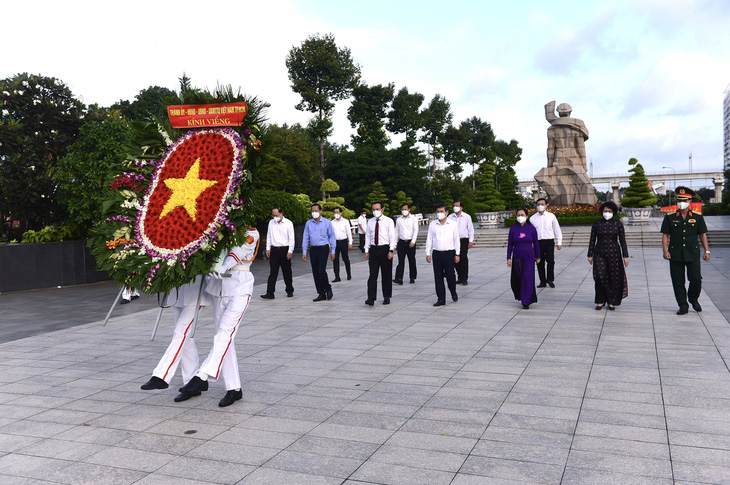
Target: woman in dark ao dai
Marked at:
608, 254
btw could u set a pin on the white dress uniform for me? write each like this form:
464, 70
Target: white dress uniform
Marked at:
231, 298
182, 350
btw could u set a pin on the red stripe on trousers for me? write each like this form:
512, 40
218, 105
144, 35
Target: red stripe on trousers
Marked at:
180, 348
230, 337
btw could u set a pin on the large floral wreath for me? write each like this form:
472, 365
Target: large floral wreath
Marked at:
168, 218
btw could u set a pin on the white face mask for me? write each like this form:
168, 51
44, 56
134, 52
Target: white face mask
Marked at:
683, 205
608, 215
337, 216
541, 208
277, 218
521, 219
315, 215
457, 209
441, 216
405, 213
377, 214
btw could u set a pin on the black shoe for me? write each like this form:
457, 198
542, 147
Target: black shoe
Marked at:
349, 277
230, 398
439, 303
682, 310
542, 284
370, 302
400, 282
329, 294
455, 297
184, 396
464, 283
525, 307
124, 301
458, 282
196, 384
134, 297
386, 301
696, 306
154, 383
413, 280
336, 280
268, 296
289, 294
551, 284
321, 297
611, 307
600, 307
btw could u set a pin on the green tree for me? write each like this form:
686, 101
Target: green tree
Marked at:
435, 118
329, 206
405, 115
321, 73
487, 197
83, 173
367, 113
327, 187
377, 194
40, 119
290, 161
472, 143
400, 199
508, 191
264, 200
638, 193
150, 102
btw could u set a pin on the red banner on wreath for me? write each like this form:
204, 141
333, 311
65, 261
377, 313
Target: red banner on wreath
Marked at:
207, 115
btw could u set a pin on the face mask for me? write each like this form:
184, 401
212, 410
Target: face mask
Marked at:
277, 218
683, 205
541, 208
405, 213
337, 216
377, 214
521, 219
457, 209
441, 216
608, 215
315, 215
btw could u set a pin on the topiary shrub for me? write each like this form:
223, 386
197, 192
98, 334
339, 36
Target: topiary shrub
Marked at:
638, 193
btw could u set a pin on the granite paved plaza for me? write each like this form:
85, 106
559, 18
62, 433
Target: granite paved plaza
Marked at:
476, 392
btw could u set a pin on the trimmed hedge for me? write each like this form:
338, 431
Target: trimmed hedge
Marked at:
569, 219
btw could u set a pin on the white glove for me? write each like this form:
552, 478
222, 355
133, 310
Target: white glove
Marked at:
215, 275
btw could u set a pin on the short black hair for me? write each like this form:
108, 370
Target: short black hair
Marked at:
364, 210
377, 202
317, 206
405, 205
337, 209
277, 208
542, 199
442, 206
608, 205
461, 204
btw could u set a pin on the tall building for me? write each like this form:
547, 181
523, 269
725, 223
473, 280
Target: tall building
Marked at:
726, 124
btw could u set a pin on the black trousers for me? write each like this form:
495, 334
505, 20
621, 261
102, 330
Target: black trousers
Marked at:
405, 250
379, 261
443, 267
547, 256
462, 267
278, 260
318, 256
341, 249
677, 270
361, 246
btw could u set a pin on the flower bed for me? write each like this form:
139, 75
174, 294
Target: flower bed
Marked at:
570, 215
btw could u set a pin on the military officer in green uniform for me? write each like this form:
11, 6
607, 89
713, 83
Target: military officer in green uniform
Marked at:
679, 241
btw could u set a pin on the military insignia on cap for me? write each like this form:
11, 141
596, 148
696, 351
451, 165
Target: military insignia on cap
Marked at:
681, 191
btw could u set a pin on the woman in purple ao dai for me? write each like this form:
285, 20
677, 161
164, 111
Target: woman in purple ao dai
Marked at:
523, 251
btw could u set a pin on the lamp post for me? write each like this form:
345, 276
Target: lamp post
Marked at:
674, 181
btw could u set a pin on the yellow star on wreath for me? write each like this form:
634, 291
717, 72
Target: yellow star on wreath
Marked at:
186, 190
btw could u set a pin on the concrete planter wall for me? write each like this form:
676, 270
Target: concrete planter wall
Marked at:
30, 266
488, 220
637, 216
504, 215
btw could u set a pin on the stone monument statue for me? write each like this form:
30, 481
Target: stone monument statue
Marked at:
565, 179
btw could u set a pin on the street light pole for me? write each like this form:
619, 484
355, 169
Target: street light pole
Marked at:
674, 177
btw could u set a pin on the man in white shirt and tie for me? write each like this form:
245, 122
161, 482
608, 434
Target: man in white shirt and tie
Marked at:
443, 247
279, 250
407, 229
548, 230
380, 242
362, 224
466, 241
343, 237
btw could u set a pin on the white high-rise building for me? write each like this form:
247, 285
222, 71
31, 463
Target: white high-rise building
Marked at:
726, 124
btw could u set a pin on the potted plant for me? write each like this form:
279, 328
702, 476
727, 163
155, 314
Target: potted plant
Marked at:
638, 198
487, 200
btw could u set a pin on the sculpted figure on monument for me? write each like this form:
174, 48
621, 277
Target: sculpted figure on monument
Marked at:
566, 179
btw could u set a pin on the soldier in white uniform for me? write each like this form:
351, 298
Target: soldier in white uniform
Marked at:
182, 350
231, 298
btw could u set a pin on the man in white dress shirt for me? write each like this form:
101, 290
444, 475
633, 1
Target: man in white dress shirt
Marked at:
279, 249
407, 229
443, 247
548, 230
362, 224
343, 237
466, 241
380, 242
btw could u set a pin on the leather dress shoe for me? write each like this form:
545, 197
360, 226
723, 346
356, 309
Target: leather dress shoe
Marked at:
458, 282
370, 302
551, 284
268, 296
196, 384
321, 297
336, 280
413, 280
464, 283
184, 396
542, 285
696, 306
329, 294
439, 303
230, 398
124, 301
525, 307
386, 301
349, 277
400, 282
289, 294
682, 311
455, 297
154, 383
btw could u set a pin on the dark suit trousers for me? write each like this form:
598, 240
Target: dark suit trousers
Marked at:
318, 256
677, 270
547, 256
443, 267
405, 250
379, 261
278, 260
462, 267
341, 249
361, 246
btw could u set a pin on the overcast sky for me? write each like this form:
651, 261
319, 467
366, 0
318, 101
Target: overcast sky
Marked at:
647, 77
